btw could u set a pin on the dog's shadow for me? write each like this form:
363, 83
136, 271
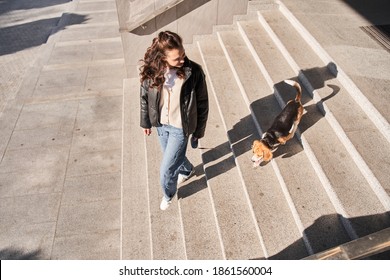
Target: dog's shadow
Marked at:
315, 112
290, 149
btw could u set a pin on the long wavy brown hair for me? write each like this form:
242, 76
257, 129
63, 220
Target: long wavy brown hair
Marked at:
154, 65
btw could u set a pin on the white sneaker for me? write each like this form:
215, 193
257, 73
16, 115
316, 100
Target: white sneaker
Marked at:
164, 204
182, 178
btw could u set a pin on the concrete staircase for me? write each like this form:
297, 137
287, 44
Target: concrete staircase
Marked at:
324, 188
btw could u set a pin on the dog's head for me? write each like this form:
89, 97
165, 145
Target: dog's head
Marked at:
260, 152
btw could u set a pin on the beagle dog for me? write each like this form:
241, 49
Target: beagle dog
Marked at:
282, 129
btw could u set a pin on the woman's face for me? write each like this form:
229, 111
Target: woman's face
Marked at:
175, 58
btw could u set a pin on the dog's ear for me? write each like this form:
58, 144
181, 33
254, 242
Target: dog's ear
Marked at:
267, 155
255, 144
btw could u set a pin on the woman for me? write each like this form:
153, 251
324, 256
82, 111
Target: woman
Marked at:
174, 99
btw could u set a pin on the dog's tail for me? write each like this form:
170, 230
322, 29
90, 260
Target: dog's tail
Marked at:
298, 88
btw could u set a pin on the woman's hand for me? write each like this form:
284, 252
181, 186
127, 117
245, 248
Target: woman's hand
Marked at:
147, 131
194, 142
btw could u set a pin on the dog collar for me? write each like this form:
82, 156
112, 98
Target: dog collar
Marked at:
266, 141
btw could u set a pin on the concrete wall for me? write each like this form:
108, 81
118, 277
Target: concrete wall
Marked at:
188, 18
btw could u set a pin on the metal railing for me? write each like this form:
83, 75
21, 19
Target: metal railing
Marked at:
361, 248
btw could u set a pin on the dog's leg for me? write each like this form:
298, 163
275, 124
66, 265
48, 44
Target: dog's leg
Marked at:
283, 140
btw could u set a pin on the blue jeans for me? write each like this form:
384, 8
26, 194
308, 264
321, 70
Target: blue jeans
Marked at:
174, 145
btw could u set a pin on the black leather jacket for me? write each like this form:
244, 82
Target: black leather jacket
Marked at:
194, 105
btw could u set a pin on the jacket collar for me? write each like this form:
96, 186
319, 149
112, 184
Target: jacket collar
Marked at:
269, 140
187, 68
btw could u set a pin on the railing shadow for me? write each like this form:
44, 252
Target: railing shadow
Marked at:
19, 254
32, 34
377, 12
8, 6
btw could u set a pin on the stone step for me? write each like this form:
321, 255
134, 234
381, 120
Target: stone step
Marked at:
196, 199
261, 5
135, 210
167, 236
88, 32
201, 232
238, 231
84, 52
96, 5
